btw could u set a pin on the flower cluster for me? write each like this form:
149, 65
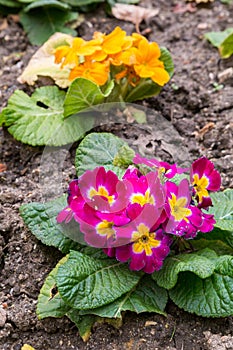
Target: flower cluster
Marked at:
113, 56
136, 218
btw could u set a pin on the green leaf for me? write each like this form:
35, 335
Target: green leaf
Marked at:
124, 157
82, 95
209, 297
226, 47
166, 58
147, 296
46, 3
216, 244
10, 3
78, 3
41, 220
98, 149
218, 234
201, 263
83, 323
86, 283
40, 25
223, 209
217, 38
38, 120
50, 304
145, 89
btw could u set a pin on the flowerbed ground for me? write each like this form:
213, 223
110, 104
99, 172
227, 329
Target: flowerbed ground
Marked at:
190, 105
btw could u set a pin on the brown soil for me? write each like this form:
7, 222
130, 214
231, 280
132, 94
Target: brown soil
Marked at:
192, 106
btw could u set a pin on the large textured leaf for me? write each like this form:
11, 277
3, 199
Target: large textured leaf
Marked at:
41, 24
147, 296
223, 209
38, 120
201, 263
98, 149
41, 220
209, 297
87, 283
83, 94
50, 304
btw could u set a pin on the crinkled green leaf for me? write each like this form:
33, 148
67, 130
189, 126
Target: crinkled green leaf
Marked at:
147, 296
82, 95
86, 283
41, 24
46, 3
223, 209
217, 38
124, 156
50, 303
38, 120
201, 263
218, 234
208, 297
214, 243
41, 220
98, 149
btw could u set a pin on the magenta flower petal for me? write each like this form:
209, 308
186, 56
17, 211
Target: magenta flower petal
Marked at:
65, 215
204, 178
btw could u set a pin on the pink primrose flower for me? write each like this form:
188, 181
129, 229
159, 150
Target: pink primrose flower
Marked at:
101, 229
103, 191
182, 216
75, 204
163, 168
204, 178
147, 249
144, 189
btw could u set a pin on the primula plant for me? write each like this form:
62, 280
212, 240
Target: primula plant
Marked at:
109, 68
136, 231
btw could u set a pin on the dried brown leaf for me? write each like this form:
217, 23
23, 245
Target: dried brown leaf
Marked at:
132, 13
42, 63
2, 167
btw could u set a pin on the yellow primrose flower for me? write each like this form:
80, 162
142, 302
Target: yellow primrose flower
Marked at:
148, 64
94, 71
114, 42
79, 47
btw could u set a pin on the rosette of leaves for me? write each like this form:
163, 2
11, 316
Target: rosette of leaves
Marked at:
88, 287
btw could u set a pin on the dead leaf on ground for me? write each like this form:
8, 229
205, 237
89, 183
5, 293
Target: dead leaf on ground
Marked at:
2, 167
42, 63
132, 13
4, 24
183, 8
201, 133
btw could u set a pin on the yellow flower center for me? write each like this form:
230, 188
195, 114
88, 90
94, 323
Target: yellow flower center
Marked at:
143, 240
141, 199
104, 228
178, 209
103, 192
200, 186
